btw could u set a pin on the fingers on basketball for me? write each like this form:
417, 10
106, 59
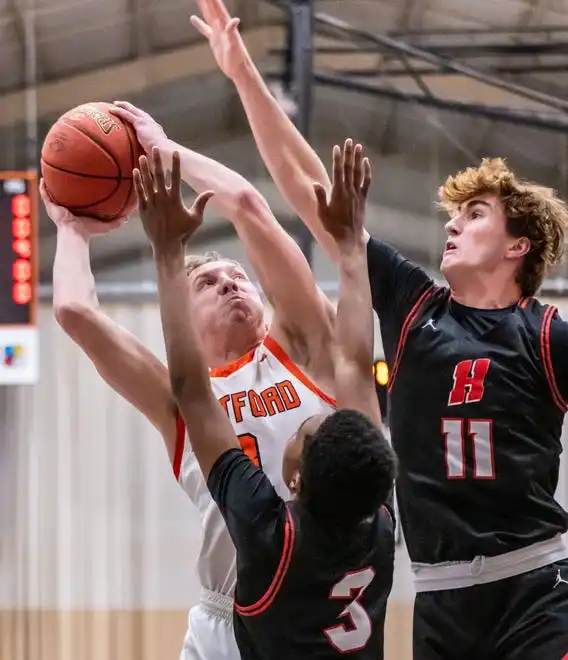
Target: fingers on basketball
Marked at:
123, 113
44, 193
132, 109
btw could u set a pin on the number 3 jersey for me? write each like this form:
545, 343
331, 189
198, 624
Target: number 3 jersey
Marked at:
305, 591
267, 397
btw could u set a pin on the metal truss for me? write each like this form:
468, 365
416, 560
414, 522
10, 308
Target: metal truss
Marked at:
419, 54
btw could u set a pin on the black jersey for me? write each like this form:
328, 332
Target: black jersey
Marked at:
303, 591
477, 404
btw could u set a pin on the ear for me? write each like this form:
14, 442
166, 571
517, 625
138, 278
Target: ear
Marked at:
295, 485
519, 248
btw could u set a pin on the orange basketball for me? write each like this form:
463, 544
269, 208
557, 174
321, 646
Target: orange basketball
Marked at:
87, 161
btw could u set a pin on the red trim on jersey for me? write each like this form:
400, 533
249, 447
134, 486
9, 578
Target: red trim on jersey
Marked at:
280, 354
408, 321
547, 358
228, 369
523, 302
180, 444
265, 602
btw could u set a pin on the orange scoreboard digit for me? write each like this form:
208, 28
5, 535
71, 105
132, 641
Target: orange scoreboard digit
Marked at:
19, 343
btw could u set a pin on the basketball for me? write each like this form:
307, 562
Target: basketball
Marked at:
87, 160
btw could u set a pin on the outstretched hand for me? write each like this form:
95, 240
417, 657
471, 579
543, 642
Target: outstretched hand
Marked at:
222, 32
62, 217
343, 216
168, 223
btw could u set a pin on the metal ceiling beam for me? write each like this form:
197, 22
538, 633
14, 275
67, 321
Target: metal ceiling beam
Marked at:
473, 32
399, 46
126, 79
470, 50
429, 71
530, 119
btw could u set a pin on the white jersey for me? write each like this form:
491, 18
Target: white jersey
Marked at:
267, 398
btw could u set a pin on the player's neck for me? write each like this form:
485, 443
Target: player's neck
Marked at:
489, 294
224, 350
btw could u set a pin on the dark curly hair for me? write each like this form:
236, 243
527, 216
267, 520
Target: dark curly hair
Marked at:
347, 469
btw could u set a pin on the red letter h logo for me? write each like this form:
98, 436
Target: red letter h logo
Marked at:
469, 377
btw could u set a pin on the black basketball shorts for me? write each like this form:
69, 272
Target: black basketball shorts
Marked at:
521, 618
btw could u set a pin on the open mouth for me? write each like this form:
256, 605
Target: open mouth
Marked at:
450, 246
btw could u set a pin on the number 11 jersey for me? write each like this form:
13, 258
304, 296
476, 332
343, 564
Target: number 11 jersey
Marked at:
267, 397
476, 415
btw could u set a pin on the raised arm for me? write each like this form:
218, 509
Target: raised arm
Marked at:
168, 225
343, 217
303, 316
122, 361
291, 161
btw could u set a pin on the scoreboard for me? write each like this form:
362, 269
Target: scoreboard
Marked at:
19, 341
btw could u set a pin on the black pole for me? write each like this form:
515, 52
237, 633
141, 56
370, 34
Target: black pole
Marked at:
301, 50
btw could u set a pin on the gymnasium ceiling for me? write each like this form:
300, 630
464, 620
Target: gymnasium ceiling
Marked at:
442, 79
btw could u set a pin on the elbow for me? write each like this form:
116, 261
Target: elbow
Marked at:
250, 205
72, 316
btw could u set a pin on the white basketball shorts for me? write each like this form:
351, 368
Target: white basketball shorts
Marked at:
210, 634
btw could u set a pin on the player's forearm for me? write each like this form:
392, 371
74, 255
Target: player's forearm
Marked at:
188, 370
202, 173
355, 335
354, 326
292, 163
73, 281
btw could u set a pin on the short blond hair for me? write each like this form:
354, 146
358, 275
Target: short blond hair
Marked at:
531, 210
193, 261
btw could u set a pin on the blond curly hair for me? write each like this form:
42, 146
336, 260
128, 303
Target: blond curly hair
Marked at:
531, 210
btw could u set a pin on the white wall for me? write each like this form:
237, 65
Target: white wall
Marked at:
90, 514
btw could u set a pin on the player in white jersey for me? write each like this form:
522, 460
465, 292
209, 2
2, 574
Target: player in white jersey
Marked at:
267, 397
232, 324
